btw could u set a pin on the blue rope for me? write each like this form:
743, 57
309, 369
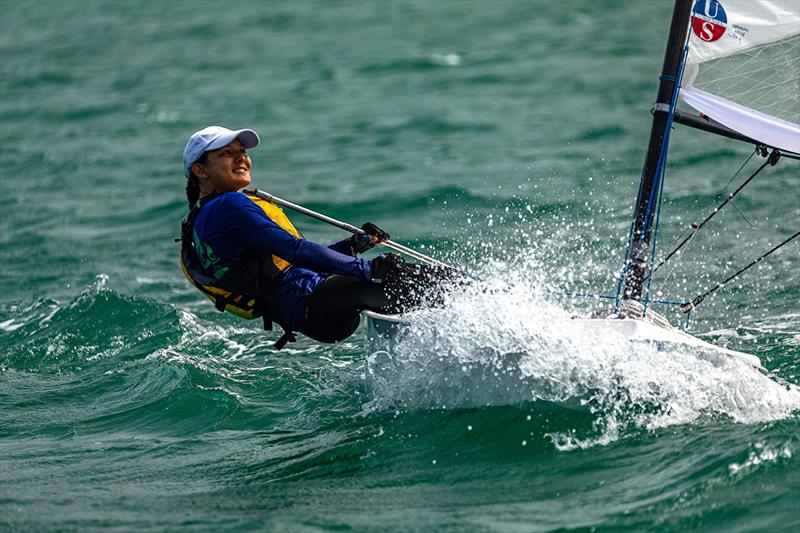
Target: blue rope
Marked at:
610, 297
657, 186
627, 265
621, 279
684, 325
646, 299
656, 190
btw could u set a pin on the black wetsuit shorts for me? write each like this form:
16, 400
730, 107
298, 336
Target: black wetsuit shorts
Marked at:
332, 312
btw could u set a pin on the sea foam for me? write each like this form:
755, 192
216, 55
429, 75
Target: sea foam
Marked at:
505, 343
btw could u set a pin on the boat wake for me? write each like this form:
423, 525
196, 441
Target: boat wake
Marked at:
490, 346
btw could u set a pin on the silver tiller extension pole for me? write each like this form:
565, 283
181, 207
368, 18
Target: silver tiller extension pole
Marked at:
349, 227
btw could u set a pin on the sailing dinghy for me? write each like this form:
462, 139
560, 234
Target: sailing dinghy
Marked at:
734, 61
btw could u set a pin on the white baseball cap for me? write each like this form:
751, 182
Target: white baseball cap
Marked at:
211, 138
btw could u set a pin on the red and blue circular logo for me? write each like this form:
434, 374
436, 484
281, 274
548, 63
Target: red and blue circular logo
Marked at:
709, 20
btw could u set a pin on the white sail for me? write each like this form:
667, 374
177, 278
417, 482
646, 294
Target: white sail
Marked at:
743, 68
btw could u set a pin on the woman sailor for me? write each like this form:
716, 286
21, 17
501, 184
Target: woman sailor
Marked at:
247, 257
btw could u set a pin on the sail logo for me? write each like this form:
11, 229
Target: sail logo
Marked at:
709, 20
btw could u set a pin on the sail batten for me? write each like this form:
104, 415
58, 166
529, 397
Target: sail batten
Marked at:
743, 68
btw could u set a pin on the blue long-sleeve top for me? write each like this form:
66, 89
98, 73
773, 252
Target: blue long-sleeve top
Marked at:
230, 224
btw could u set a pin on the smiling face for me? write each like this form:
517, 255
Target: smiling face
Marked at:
226, 169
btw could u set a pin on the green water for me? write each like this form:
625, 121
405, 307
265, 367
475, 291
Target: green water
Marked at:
504, 137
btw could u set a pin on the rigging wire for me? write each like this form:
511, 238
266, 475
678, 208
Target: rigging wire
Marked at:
659, 198
716, 199
661, 169
688, 306
772, 160
756, 150
762, 150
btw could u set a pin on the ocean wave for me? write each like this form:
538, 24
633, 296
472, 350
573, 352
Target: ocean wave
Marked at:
100, 324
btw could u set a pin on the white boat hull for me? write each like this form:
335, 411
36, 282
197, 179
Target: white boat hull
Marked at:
385, 328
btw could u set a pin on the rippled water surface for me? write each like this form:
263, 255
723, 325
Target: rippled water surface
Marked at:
505, 137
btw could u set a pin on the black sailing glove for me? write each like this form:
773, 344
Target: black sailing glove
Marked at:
374, 235
386, 268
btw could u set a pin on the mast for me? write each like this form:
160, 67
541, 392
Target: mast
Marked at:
639, 246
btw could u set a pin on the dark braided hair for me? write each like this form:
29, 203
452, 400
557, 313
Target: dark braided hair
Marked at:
192, 185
